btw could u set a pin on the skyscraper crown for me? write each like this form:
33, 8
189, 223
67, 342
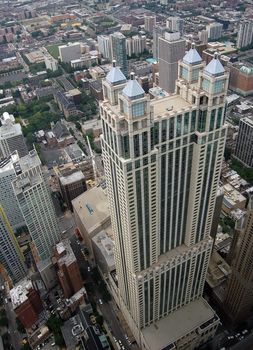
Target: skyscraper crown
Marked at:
133, 89
214, 67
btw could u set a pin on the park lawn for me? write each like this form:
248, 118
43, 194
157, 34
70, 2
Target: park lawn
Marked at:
54, 50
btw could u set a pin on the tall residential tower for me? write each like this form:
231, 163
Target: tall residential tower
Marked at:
118, 50
162, 163
11, 256
36, 205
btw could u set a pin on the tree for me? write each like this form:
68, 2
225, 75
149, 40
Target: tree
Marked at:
20, 327
78, 126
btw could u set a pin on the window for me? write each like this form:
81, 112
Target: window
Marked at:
138, 109
184, 73
218, 86
195, 74
212, 119
205, 84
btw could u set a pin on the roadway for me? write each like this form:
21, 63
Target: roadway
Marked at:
245, 344
15, 337
107, 309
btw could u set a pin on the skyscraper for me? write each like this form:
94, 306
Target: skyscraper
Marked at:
171, 50
11, 256
149, 23
214, 30
11, 137
244, 141
245, 34
104, 46
158, 32
162, 162
7, 197
118, 50
36, 205
175, 24
239, 295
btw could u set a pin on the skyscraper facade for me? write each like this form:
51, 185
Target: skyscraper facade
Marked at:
11, 137
149, 23
162, 162
11, 256
118, 50
36, 205
244, 141
104, 46
245, 34
239, 295
175, 24
7, 197
171, 50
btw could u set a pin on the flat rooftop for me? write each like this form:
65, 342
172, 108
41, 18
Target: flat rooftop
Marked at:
6, 164
68, 256
106, 246
72, 178
19, 292
169, 104
92, 208
177, 324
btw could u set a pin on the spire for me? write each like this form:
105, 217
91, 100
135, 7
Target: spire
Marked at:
133, 89
214, 67
192, 56
115, 76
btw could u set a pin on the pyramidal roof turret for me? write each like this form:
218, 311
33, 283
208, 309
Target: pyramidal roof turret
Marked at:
192, 56
214, 67
133, 89
115, 76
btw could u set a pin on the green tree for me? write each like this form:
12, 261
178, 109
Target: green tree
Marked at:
20, 327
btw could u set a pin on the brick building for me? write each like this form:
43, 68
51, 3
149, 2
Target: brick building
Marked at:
67, 269
26, 302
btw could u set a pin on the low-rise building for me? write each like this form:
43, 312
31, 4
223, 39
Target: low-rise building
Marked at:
93, 126
67, 268
103, 249
91, 212
232, 200
71, 186
69, 52
26, 303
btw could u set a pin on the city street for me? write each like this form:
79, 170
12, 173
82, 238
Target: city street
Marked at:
15, 337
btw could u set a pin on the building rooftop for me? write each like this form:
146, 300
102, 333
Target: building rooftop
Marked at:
19, 292
106, 246
72, 178
218, 270
169, 104
192, 57
133, 89
7, 164
92, 208
214, 67
180, 322
65, 252
31, 160
115, 76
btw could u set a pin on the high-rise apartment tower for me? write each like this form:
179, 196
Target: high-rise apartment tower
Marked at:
239, 295
118, 50
171, 50
11, 256
244, 141
36, 205
162, 162
245, 34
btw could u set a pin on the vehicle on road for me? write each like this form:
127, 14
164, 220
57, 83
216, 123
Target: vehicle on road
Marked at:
100, 301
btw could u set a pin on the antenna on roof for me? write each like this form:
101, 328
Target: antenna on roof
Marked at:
114, 63
132, 75
193, 45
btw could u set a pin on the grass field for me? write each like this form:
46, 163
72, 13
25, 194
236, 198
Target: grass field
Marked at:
53, 50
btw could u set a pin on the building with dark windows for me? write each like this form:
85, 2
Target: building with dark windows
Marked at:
162, 160
244, 142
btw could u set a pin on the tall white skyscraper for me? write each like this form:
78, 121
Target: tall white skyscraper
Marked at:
11, 137
104, 46
175, 24
36, 205
245, 34
162, 162
11, 257
7, 197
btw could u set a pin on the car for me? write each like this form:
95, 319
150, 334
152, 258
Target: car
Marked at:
53, 344
100, 301
245, 331
120, 342
88, 269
